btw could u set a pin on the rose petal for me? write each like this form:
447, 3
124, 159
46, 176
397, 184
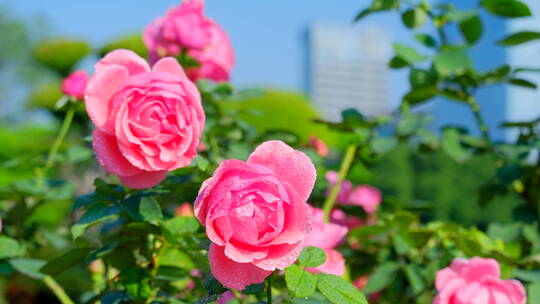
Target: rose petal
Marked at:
169, 65
126, 58
144, 179
232, 274
280, 256
99, 92
109, 155
291, 166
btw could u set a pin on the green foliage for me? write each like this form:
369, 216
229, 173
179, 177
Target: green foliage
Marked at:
61, 55
130, 42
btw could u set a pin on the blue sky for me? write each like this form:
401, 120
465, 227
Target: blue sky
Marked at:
267, 34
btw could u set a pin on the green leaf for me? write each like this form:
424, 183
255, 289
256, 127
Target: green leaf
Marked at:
383, 276
519, 38
312, 257
10, 248
533, 293
353, 118
300, 283
65, 261
421, 77
29, 267
507, 8
384, 5
415, 279
95, 214
61, 55
527, 275
408, 54
451, 144
383, 144
452, 61
339, 290
253, 288
414, 18
397, 63
460, 16
177, 227
426, 40
143, 209
132, 42
363, 13
420, 94
136, 282
212, 285
471, 29
522, 83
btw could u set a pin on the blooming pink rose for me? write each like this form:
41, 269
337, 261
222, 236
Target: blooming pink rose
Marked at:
326, 236
344, 191
148, 121
185, 28
319, 145
476, 281
75, 84
365, 196
256, 214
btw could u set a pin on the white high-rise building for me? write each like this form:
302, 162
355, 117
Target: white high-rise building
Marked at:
347, 68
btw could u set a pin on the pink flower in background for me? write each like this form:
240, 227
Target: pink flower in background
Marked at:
319, 145
184, 210
148, 121
186, 28
75, 84
339, 217
476, 281
326, 236
366, 197
255, 213
344, 191
226, 297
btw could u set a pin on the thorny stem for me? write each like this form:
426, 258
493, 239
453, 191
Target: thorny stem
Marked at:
57, 290
344, 169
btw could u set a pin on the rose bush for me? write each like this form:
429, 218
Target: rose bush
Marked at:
148, 121
231, 222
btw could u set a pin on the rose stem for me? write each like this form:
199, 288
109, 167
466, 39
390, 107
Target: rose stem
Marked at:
343, 170
60, 137
57, 290
269, 290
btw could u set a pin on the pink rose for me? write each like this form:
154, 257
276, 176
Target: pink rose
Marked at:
319, 145
476, 281
344, 191
75, 84
256, 214
326, 236
339, 217
148, 121
185, 28
365, 196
